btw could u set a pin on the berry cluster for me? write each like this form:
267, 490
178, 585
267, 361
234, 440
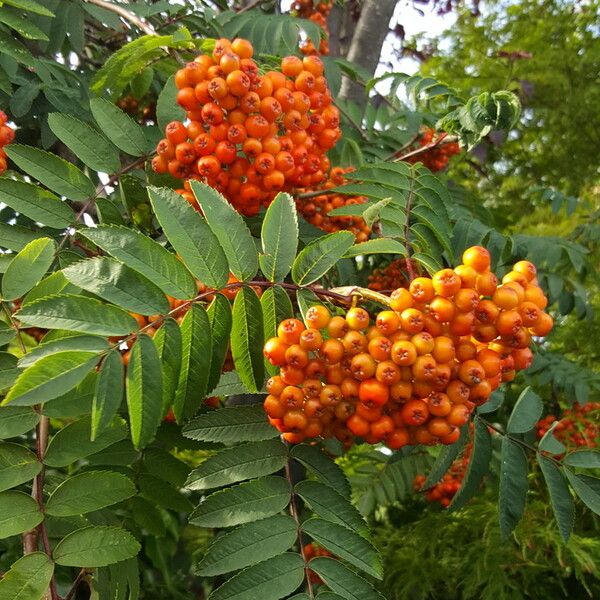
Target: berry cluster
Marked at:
578, 427
7, 135
316, 209
390, 277
317, 12
443, 491
142, 111
250, 135
435, 158
417, 373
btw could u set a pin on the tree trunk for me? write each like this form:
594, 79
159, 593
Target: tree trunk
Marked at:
367, 41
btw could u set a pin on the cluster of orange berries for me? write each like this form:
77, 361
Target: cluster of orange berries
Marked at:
7, 135
317, 12
417, 373
316, 209
443, 491
435, 158
249, 135
143, 111
390, 277
579, 426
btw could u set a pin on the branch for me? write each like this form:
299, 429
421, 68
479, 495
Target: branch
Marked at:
444, 138
125, 14
73, 589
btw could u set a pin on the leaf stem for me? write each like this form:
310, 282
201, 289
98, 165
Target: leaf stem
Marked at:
125, 14
73, 589
444, 138
409, 201
15, 326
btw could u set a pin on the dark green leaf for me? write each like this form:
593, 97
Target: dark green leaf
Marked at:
219, 315
513, 485
167, 109
30, 6
445, 459
526, 413
17, 465
342, 580
17, 420
108, 393
276, 306
19, 512
161, 493
8, 369
560, 496
587, 489
168, 344
322, 467
585, 459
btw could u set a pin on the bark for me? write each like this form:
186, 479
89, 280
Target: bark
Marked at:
367, 41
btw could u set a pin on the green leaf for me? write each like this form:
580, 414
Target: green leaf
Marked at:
270, 580
549, 443
17, 420
231, 425
164, 465
15, 49
238, 463
147, 257
87, 492
196, 343
587, 489
330, 505
526, 413
229, 228
163, 494
377, 246
243, 503
279, 237
108, 393
119, 127
95, 546
117, 283
84, 343
560, 496
27, 268
445, 459
22, 25
513, 485
15, 237
342, 580
478, 465
318, 257
220, 317
167, 109
19, 512
191, 237
144, 391
76, 313
50, 377
36, 203
28, 578
276, 306
345, 544
55, 173
17, 465
55, 283
248, 545
168, 345
73, 441
7, 333
8, 369
88, 145
30, 6
247, 339
585, 459
322, 467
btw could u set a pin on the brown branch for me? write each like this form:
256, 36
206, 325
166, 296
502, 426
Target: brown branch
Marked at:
73, 589
125, 14
444, 138
249, 6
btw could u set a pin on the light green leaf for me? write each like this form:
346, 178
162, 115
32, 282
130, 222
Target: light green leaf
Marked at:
196, 355
231, 231
587, 489
76, 313
243, 503
318, 257
17, 420
247, 338
95, 546
73, 442
84, 343
55, 173
17, 465
119, 127
248, 545
219, 315
169, 347
345, 544
50, 377
27, 268
144, 255
377, 246
19, 512
270, 580
561, 500
322, 467
526, 413
117, 283
513, 485
88, 145
144, 391
279, 236
108, 393
28, 578
343, 581
238, 463
191, 237
87, 492
55, 283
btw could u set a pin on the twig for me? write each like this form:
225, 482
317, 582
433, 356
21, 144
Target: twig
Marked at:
15, 326
442, 139
125, 14
295, 515
356, 126
315, 193
73, 589
249, 6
